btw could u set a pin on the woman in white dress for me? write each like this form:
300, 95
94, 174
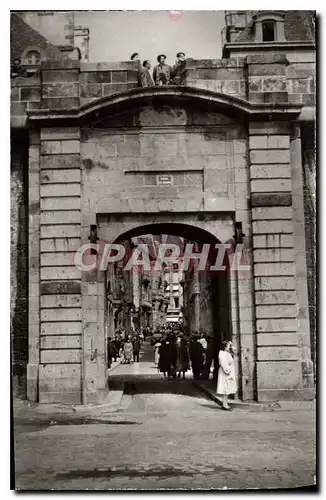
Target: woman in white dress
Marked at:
157, 346
226, 383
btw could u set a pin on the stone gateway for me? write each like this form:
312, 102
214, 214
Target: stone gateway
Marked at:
221, 158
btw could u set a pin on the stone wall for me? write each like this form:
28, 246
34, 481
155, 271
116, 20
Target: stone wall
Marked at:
123, 167
19, 262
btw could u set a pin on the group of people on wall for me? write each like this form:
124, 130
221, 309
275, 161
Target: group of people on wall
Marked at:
163, 73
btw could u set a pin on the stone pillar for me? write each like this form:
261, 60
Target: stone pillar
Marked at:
196, 293
60, 84
300, 258
34, 268
267, 78
81, 40
279, 365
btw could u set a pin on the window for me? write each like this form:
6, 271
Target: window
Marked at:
33, 57
176, 302
268, 31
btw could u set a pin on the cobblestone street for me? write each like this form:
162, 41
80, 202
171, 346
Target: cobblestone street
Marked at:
165, 434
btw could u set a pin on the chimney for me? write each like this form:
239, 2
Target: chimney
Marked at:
81, 41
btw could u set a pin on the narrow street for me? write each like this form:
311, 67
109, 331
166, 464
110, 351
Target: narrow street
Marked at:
165, 434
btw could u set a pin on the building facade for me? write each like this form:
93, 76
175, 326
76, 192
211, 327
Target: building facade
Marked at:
89, 148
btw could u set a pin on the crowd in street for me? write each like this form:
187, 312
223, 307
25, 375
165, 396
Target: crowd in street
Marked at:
176, 352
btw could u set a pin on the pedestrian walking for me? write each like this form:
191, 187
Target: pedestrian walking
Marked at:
173, 356
182, 358
209, 355
226, 383
136, 349
164, 359
196, 352
128, 351
110, 351
156, 352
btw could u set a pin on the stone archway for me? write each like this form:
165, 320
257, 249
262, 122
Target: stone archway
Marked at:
225, 286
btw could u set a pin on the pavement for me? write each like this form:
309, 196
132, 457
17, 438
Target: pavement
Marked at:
163, 434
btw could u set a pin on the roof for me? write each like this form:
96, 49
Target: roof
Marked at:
298, 26
23, 36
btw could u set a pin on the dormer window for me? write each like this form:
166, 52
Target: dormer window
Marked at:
33, 57
268, 28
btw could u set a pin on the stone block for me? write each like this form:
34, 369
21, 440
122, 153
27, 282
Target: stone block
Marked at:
114, 88
57, 204
90, 302
61, 342
266, 213
269, 128
60, 383
60, 231
89, 288
275, 297
61, 356
274, 269
309, 99
51, 147
271, 185
266, 69
272, 226
60, 190
60, 217
272, 325
269, 156
60, 161
255, 84
30, 94
60, 102
32, 382
60, 300
58, 259
267, 58
60, 273
65, 328
119, 76
269, 142
60, 76
60, 288
275, 283
59, 133
279, 375
273, 255
277, 339
60, 89
300, 86
276, 311
271, 200
18, 108
274, 84
61, 314
60, 244
278, 353
268, 395
15, 94
91, 90
269, 97
270, 171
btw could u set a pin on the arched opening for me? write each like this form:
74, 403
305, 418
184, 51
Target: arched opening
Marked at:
186, 297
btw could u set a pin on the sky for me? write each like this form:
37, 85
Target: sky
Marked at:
115, 35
